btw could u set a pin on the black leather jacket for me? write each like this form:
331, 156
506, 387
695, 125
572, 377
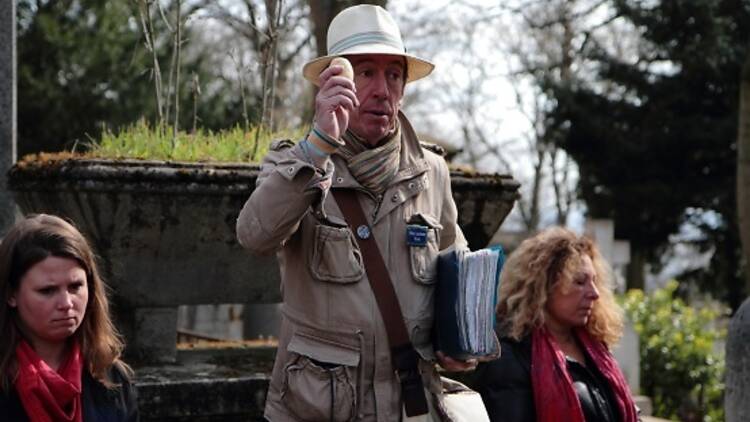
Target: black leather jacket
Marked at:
99, 403
505, 386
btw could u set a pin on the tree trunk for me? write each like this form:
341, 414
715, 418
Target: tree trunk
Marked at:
743, 167
635, 270
323, 11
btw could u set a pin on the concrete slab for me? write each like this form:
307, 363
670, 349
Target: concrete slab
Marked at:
206, 384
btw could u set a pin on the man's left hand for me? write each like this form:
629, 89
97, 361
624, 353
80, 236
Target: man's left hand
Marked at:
454, 365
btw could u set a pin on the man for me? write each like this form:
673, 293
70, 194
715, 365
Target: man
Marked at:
334, 361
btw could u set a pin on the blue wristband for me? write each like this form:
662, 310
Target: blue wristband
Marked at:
314, 148
326, 138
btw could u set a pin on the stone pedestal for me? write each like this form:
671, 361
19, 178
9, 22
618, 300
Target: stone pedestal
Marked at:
166, 234
627, 353
737, 394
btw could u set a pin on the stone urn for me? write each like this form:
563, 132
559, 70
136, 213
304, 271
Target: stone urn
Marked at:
165, 233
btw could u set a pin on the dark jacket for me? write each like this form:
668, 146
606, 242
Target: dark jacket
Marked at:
505, 383
99, 403
505, 386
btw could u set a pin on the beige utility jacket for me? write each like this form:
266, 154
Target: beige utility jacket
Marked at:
333, 353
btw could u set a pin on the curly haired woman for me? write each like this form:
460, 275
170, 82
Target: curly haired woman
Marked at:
557, 319
59, 351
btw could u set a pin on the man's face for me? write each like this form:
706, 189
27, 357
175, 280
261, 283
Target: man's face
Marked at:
379, 79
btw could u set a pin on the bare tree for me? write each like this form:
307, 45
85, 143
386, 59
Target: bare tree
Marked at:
147, 24
323, 11
495, 55
167, 97
550, 35
271, 35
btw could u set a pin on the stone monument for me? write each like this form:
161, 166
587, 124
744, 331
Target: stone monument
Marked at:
617, 253
7, 109
737, 394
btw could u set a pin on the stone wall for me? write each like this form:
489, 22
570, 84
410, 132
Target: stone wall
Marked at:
7, 109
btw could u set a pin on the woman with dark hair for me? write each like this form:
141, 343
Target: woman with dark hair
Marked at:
59, 351
557, 319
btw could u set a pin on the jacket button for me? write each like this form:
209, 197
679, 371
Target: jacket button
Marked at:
395, 198
411, 185
339, 180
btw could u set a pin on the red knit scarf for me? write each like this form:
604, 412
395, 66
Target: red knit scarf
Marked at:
46, 395
555, 399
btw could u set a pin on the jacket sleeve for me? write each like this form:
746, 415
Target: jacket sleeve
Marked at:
115, 404
505, 387
130, 399
287, 188
451, 233
11, 408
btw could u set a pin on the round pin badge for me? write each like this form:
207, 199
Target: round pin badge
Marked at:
363, 232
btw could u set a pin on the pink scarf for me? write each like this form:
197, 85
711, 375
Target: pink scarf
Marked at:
46, 395
555, 399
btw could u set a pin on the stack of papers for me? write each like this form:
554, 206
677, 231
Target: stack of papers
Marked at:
466, 295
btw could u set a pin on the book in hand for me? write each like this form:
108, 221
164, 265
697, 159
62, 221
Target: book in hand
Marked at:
465, 298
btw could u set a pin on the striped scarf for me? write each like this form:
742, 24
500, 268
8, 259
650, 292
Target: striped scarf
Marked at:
373, 168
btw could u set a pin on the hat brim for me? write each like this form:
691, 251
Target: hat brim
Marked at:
417, 68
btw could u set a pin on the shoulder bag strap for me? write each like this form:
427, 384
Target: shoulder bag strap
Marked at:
403, 355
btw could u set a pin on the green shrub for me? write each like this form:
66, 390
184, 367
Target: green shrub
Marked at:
681, 370
143, 142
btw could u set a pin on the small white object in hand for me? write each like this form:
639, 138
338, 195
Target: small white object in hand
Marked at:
348, 71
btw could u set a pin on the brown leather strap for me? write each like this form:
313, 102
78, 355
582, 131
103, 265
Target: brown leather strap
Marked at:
403, 355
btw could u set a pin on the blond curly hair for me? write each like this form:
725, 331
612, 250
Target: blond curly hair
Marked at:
536, 267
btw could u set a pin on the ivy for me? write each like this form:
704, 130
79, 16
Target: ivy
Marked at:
682, 358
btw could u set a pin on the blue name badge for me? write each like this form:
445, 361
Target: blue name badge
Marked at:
416, 235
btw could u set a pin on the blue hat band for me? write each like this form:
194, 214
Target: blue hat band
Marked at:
373, 37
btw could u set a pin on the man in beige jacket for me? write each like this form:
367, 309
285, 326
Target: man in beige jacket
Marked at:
334, 362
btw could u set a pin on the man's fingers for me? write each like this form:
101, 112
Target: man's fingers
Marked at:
334, 103
339, 91
336, 98
335, 80
328, 72
334, 71
455, 365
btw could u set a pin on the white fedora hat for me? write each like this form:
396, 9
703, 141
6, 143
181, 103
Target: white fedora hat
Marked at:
365, 29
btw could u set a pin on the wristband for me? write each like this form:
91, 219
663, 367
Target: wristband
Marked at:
310, 146
334, 143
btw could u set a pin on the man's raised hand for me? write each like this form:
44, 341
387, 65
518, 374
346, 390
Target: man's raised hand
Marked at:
335, 99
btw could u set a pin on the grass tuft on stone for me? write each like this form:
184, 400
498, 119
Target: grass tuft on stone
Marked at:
140, 141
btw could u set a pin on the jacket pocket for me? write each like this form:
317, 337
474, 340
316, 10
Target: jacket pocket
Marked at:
320, 380
335, 256
424, 257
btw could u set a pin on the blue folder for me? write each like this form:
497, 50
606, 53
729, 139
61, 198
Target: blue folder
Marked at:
447, 331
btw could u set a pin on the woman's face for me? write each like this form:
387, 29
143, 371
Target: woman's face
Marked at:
571, 302
51, 300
